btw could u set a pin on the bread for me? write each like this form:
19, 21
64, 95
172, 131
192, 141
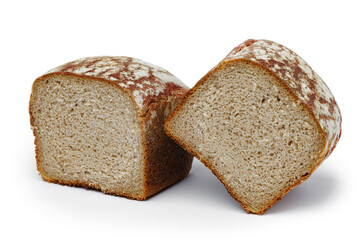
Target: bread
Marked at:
98, 123
262, 120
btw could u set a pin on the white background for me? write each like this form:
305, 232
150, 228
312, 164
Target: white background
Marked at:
187, 38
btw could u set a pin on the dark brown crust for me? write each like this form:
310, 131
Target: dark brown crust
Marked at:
148, 154
167, 163
206, 162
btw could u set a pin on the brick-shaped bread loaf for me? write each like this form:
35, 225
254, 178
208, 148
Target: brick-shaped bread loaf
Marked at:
98, 122
262, 120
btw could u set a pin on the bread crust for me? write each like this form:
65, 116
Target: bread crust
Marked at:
154, 161
330, 137
145, 82
166, 163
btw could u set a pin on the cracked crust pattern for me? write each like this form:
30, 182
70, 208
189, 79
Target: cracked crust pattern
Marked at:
300, 78
144, 81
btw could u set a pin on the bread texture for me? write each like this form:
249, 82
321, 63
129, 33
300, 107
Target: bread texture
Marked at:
262, 120
98, 123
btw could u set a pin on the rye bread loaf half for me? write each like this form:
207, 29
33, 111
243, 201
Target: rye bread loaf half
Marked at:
98, 123
262, 120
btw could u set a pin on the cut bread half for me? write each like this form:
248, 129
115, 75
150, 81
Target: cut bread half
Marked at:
94, 128
261, 120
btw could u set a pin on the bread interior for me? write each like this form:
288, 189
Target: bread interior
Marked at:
253, 134
87, 134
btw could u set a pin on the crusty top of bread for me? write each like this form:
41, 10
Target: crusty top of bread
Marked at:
300, 78
144, 81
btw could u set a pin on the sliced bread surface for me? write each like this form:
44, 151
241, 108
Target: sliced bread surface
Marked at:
98, 123
262, 120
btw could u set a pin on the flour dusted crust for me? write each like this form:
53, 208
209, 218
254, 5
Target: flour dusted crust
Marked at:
300, 78
146, 82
